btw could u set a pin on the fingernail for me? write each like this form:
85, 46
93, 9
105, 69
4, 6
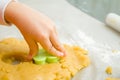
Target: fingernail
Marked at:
61, 54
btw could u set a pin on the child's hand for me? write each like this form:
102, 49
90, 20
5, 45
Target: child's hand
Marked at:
35, 27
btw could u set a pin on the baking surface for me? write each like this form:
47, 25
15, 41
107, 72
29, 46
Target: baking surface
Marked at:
78, 28
71, 19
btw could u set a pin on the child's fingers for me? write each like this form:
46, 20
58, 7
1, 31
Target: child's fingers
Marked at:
55, 42
33, 46
46, 44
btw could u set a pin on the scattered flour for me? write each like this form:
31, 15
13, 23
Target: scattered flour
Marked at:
101, 55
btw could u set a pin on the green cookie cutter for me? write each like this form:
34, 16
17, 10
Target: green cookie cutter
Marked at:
44, 57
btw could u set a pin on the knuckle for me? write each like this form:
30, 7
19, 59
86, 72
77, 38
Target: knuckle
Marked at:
51, 29
43, 36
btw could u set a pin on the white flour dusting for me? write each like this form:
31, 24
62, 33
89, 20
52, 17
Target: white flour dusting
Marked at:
101, 56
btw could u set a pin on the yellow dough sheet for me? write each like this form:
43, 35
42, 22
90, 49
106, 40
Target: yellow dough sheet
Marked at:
12, 49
